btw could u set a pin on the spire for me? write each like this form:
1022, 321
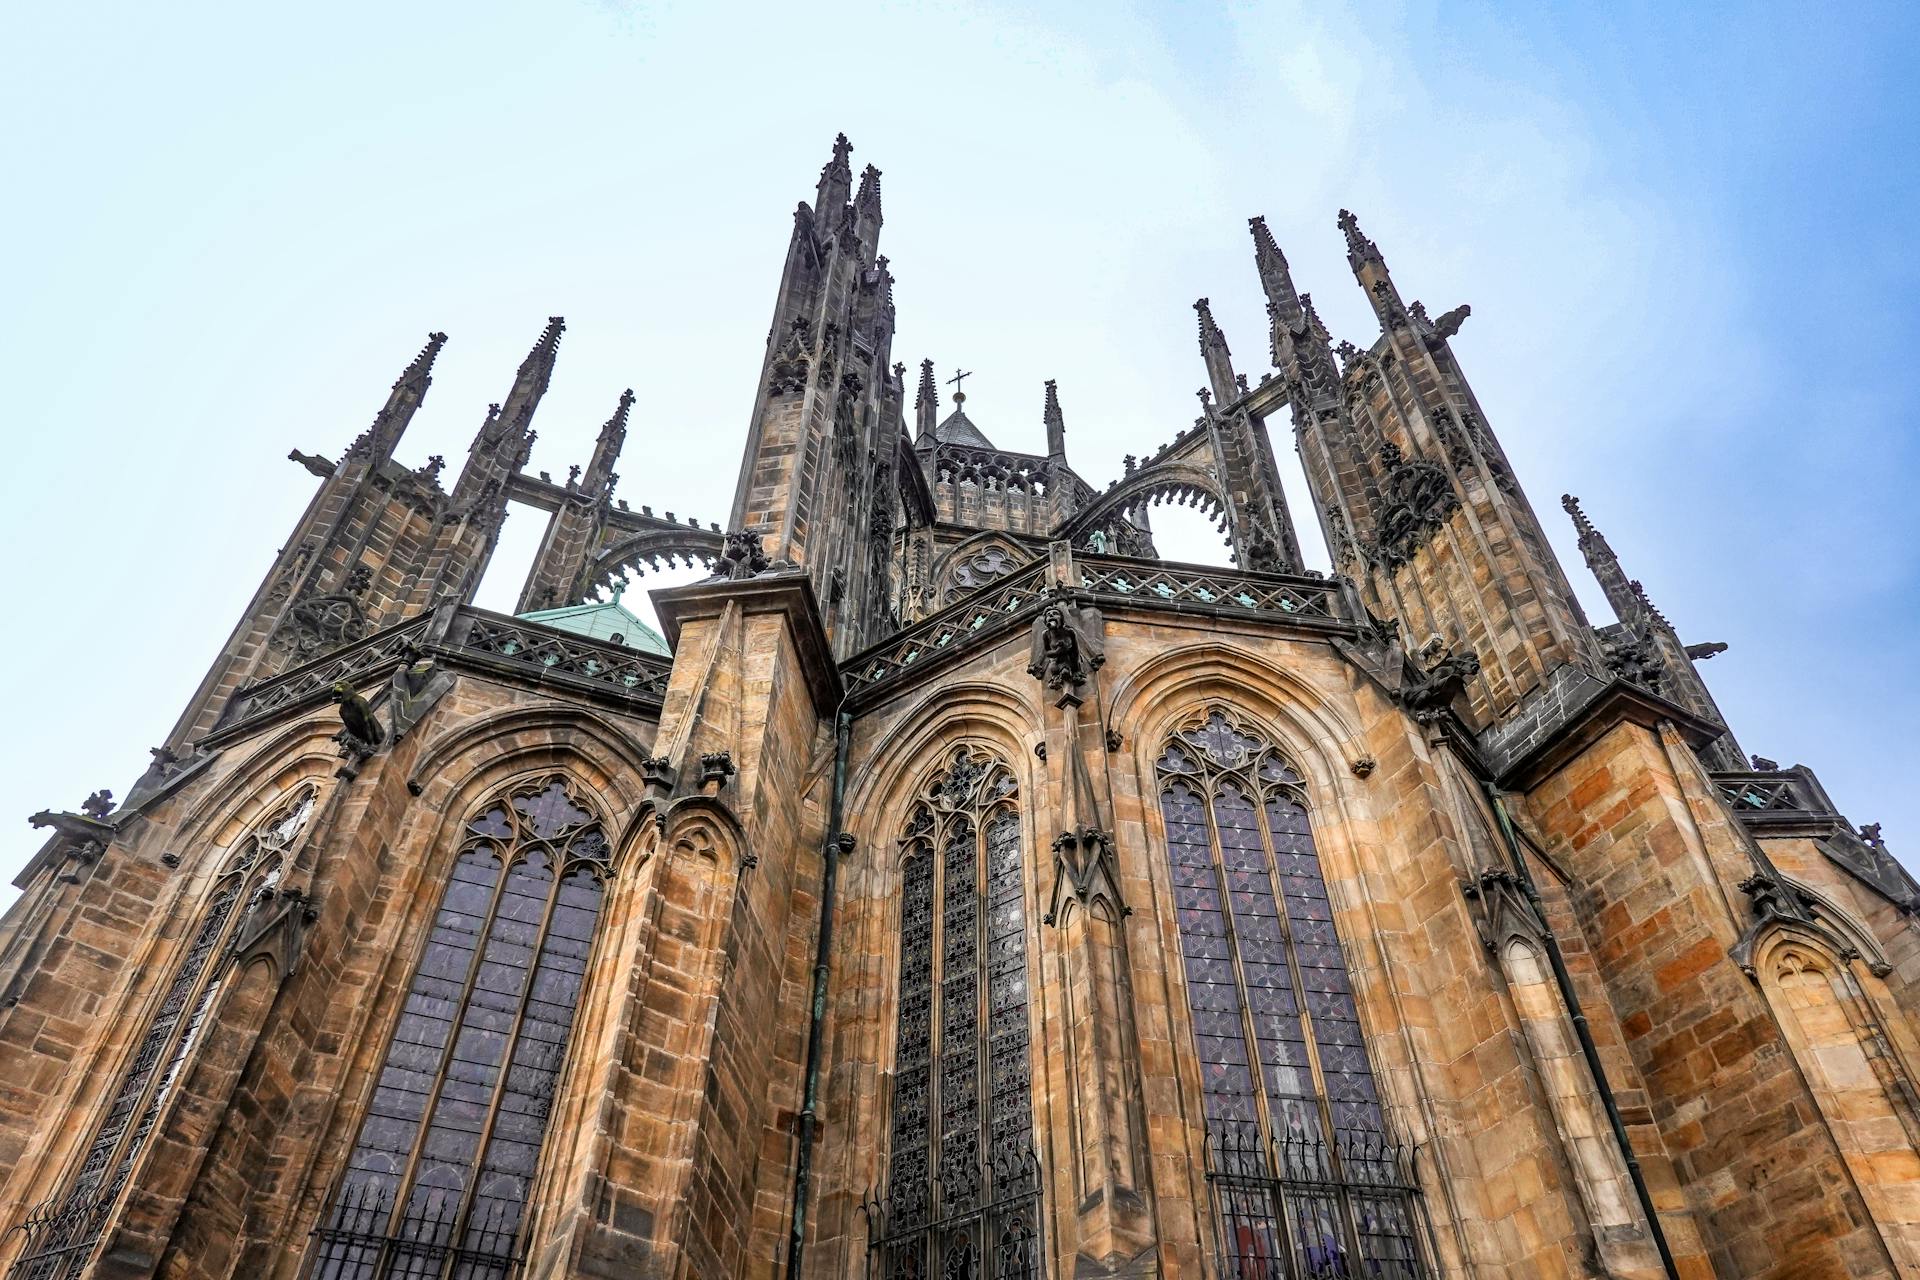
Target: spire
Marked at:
926, 406
606, 450
1056, 423
535, 372
409, 389
1629, 605
420, 373
836, 180
866, 207
1283, 301
1213, 350
1359, 248
504, 439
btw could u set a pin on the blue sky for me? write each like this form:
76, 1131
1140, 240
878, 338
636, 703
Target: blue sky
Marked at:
1686, 233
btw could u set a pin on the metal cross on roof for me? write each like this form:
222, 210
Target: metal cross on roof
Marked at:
959, 391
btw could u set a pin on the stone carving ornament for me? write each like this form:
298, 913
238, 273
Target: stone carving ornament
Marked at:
1067, 648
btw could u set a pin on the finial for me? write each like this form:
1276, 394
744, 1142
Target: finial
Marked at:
959, 395
869, 189
1263, 245
1051, 414
836, 174
1317, 329
423, 363
1358, 246
1582, 525
1209, 331
927, 393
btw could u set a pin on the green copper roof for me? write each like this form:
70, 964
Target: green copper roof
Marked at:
603, 620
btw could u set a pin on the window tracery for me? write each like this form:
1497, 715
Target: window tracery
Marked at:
962, 1196
63, 1235
437, 1182
1307, 1180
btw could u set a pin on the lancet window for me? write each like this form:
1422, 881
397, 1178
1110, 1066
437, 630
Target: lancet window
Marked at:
63, 1235
437, 1182
962, 1198
1306, 1179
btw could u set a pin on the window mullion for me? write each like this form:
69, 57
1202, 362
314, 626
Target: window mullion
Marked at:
556, 860
1249, 1038
403, 1188
936, 1008
1343, 1204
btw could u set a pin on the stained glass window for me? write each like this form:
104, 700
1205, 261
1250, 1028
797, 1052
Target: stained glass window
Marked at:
1306, 1179
437, 1182
63, 1234
962, 1196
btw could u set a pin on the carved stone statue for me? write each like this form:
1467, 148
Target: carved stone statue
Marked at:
744, 557
1428, 697
363, 732
1066, 650
416, 686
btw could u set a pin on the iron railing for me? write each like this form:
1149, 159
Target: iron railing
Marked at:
362, 1239
1303, 1208
915, 1233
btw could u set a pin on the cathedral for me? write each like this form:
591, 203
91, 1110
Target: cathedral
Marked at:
952, 888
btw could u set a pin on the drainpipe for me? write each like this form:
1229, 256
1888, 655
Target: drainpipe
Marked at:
1588, 1050
803, 1163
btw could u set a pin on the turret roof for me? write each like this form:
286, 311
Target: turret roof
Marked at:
603, 620
958, 428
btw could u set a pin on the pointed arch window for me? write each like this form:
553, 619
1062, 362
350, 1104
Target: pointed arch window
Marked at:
437, 1182
963, 1189
1306, 1179
63, 1235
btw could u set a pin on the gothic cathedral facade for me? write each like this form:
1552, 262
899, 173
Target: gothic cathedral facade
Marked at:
958, 890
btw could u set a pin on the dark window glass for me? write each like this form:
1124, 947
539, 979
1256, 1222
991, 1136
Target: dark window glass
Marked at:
1305, 1178
437, 1182
962, 1195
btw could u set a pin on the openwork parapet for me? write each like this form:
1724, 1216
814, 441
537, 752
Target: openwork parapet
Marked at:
1154, 582
562, 653
984, 613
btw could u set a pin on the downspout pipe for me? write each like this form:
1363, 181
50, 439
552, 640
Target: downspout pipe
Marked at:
809, 1110
1588, 1049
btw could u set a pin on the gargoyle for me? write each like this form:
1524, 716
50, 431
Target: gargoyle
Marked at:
363, 731
1066, 650
1449, 323
1428, 697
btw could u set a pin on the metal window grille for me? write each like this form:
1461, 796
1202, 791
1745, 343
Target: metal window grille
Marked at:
962, 1198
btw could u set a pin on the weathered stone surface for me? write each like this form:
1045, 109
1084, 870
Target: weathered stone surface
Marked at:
1562, 914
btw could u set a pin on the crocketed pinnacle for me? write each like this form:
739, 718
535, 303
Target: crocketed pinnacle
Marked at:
1581, 525
1359, 248
537, 369
616, 426
420, 371
1210, 335
926, 408
606, 450
1283, 304
836, 180
869, 197
1051, 414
